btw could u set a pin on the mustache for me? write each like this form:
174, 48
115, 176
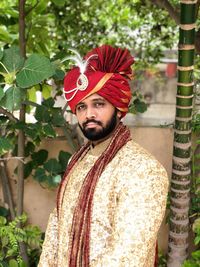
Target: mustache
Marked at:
92, 120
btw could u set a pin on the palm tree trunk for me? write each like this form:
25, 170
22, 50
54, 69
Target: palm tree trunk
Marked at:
181, 170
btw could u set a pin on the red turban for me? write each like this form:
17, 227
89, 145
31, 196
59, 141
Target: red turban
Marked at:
107, 70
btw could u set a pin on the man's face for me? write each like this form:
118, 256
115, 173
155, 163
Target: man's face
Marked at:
97, 117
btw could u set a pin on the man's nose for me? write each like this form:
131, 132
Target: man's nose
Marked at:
90, 113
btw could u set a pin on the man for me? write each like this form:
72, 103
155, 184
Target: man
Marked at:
112, 199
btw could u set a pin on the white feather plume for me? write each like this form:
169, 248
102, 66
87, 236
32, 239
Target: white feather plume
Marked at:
81, 63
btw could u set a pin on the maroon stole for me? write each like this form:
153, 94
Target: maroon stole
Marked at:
80, 230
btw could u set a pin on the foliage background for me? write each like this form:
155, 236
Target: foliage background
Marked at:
147, 28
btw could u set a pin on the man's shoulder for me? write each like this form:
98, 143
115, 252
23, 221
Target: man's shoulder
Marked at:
135, 153
133, 149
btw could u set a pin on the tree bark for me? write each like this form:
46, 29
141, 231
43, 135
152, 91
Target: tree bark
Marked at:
21, 136
7, 194
165, 4
181, 170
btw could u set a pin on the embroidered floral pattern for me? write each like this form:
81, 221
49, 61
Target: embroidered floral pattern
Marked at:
128, 208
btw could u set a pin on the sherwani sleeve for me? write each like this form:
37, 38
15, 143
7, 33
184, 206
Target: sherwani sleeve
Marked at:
48, 257
141, 205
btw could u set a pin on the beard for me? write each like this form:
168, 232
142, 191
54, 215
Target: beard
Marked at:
94, 134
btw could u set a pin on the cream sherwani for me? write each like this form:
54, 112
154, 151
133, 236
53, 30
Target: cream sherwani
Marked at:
128, 208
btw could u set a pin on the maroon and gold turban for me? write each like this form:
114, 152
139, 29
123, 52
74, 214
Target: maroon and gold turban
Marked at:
106, 72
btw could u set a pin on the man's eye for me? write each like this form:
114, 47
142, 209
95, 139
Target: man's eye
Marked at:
80, 108
99, 104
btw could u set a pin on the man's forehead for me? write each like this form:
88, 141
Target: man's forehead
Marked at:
93, 97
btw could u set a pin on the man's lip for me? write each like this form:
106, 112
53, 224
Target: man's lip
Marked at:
91, 124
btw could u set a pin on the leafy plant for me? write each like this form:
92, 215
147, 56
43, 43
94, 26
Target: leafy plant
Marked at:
19, 79
11, 235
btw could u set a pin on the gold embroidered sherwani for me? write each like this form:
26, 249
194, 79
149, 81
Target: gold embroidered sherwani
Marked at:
128, 208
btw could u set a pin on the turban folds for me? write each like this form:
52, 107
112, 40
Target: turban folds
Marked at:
106, 73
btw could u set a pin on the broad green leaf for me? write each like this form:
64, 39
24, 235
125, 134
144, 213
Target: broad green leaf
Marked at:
32, 94
40, 156
59, 2
22, 264
4, 35
33, 130
13, 263
3, 212
63, 159
48, 102
42, 6
196, 254
42, 114
5, 145
29, 148
46, 91
59, 74
13, 98
3, 220
140, 106
53, 166
12, 59
19, 125
40, 175
1, 93
49, 131
36, 69
58, 119
28, 167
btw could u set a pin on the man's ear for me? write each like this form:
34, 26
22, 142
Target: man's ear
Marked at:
119, 114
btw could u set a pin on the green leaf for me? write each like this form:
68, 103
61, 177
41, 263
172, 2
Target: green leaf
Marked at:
3, 220
12, 59
13, 98
49, 131
13, 263
49, 103
140, 106
3, 212
53, 166
46, 91
19, 125
36, 69
32, 94
63, 159
5, 146
59, 74
196, 255
28, 167
29, 148
59, 2
57, 119
33, 130
40, 156
22, 264
40, 175
1, 93
42, 114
